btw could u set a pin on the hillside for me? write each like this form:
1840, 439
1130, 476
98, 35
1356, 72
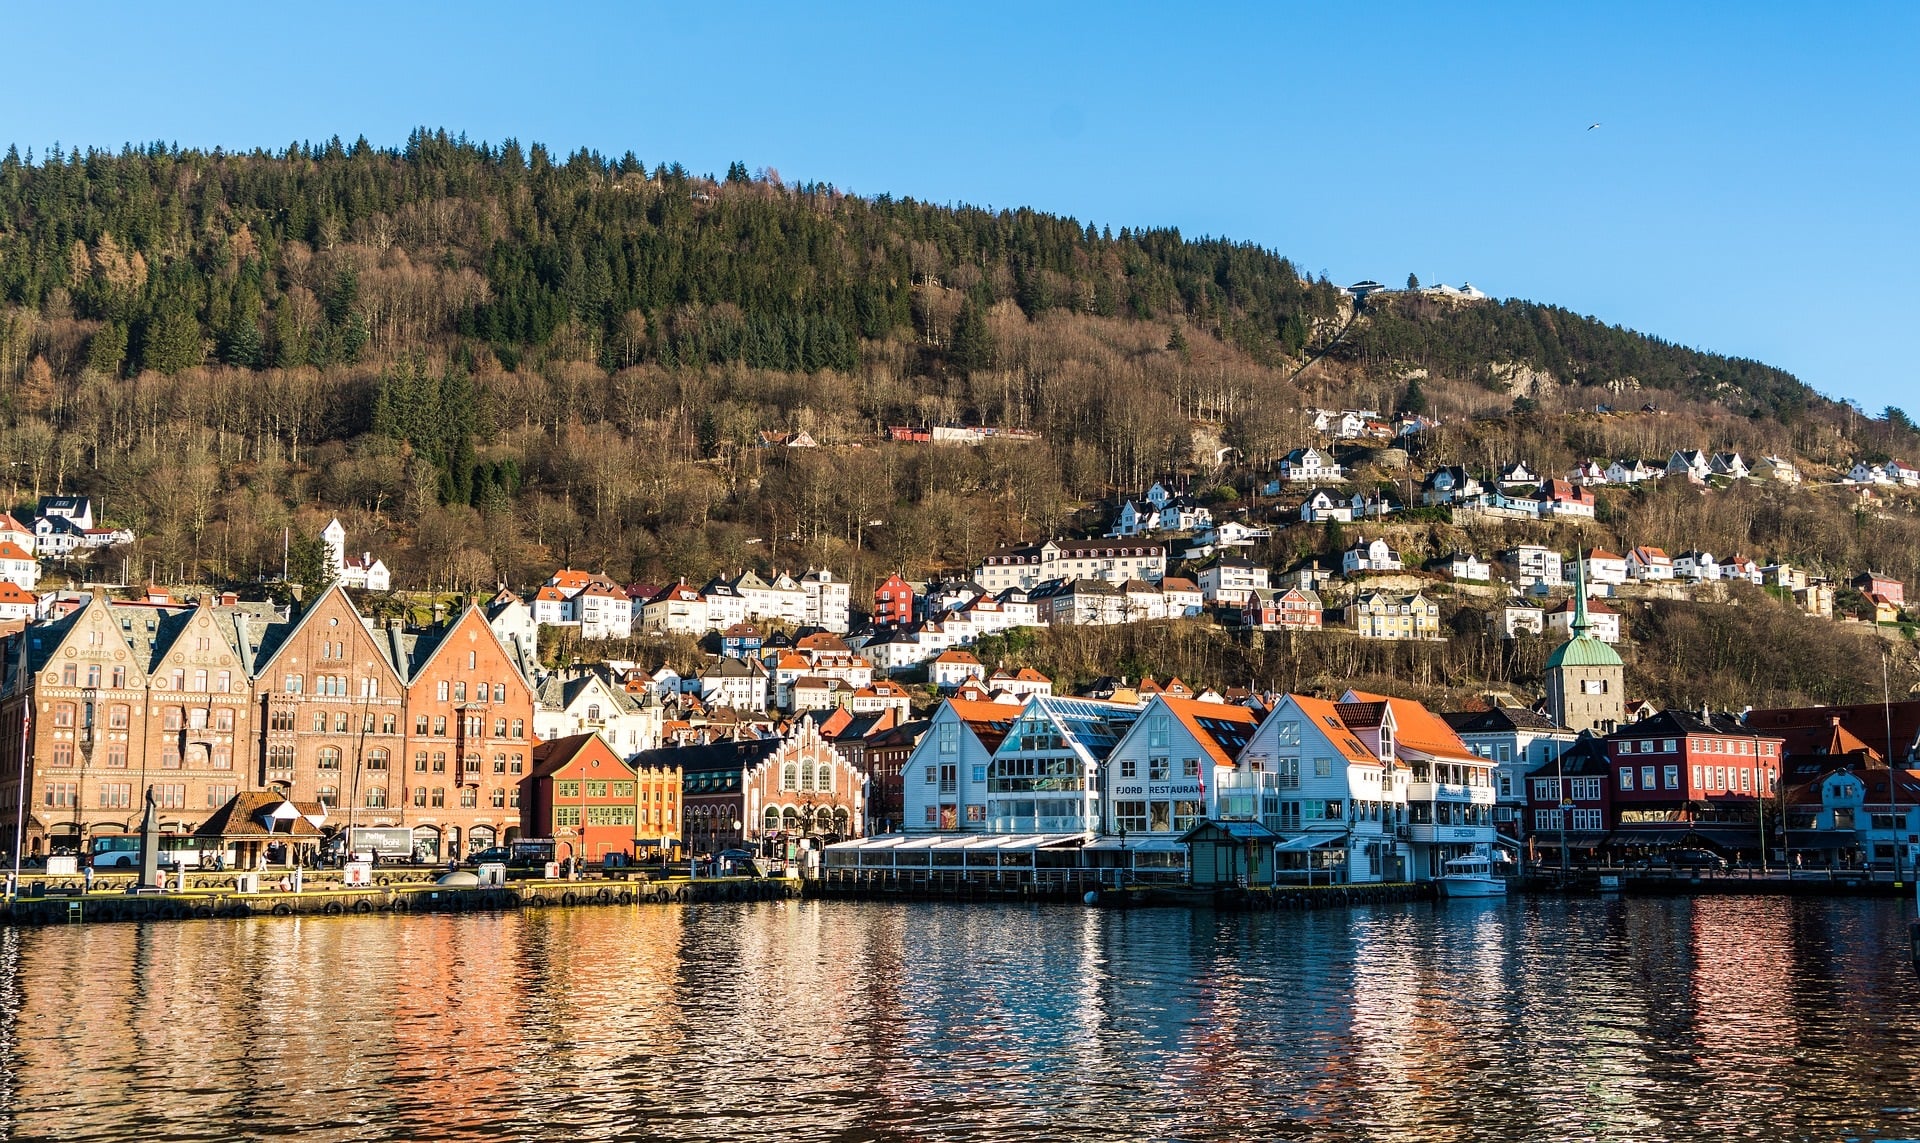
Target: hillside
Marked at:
489, 360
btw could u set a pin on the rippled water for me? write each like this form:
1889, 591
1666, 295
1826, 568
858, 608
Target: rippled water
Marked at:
1522, 1019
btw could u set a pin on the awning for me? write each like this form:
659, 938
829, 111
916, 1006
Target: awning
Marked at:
1312, 841
1728, 836
1149, 844
1822, 839
1576, 839
1670, 835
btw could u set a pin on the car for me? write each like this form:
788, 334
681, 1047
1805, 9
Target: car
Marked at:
492, 854
1696, 859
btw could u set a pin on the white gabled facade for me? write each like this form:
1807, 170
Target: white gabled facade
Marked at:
1335, 803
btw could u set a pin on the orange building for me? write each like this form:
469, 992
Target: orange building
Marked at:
469, 726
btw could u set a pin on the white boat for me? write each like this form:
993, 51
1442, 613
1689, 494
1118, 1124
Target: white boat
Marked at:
1470, 877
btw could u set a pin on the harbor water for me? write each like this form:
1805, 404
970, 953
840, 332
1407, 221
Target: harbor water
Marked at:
1520, 1019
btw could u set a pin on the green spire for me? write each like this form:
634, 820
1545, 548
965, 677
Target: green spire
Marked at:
1582, 649
1580, 621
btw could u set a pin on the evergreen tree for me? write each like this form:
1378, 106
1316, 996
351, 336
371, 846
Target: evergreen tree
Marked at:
1414, 400
972, 340
108, 349
172, 343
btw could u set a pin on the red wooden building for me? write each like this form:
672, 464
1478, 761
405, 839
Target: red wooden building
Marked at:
581, 795
893, 602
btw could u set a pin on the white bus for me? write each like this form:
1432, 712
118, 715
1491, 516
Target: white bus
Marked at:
177, 851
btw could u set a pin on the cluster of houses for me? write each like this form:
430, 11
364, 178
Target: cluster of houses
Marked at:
1374, 788
62, 526
455, 732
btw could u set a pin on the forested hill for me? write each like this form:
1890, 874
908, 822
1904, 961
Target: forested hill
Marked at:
328, 255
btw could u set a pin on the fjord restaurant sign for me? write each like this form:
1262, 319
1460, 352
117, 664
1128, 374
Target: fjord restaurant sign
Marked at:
1192, 789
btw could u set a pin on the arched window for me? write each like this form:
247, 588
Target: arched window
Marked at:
377, 758
806, 777
377, 797
825, 781
328, 758
773, 817
790, 820
790, 777
63, 714
329, 796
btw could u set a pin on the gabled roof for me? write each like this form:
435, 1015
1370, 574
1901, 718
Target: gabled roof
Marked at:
1327, 721
989, 721
1499, 720
1420, 730
549, 758
1222, 730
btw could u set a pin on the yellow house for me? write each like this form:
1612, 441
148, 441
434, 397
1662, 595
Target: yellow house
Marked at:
1379, 615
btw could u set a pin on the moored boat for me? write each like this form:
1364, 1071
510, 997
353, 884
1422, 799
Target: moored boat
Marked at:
1470, 877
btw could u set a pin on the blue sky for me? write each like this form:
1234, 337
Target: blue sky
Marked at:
1750, 189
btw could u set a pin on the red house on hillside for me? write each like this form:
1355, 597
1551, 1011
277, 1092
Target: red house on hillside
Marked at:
893, 602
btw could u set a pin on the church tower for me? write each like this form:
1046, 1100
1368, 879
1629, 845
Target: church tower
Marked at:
1585, 678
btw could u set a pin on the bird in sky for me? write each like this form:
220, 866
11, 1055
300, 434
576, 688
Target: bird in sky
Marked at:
1592, 126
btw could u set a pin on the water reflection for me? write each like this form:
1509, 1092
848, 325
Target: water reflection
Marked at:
1507, 1020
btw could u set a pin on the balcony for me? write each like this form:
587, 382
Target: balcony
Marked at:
1450, 792
1427, 833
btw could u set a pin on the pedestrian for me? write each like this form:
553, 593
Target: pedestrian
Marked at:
89, 876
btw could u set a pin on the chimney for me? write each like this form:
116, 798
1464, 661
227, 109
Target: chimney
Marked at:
229, 598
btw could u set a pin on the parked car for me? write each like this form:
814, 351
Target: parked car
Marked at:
1696, 859
497, 853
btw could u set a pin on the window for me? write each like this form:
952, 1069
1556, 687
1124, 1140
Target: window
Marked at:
221, 757
1588, 820
386, 724
63, 754
170, 756
170, 795
342, 722
223, 719
1323, 767
471, 764
319, 722
1670, 777
119, 678
292, 684
441, 690
499, 692
376, 797
60, 795
117, 717
377, 758
116, 795
420, 796
328, 758
513, 798
499, 763
519, 728
790, 777
949, 738
469, 797
459, 692
439, 761
440, 726
1626, 777
280, 757
516, 766
420, 724
1190, 768
63, 714
219, 794
1646, 778
499, 797
419, 761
